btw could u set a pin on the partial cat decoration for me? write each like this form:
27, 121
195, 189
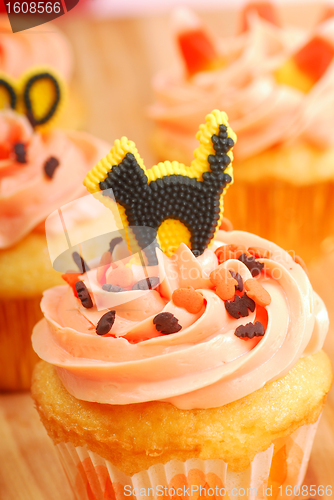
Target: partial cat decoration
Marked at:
169, 203
38, 94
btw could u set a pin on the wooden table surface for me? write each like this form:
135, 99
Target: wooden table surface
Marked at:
114, 63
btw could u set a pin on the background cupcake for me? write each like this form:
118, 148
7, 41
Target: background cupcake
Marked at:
41, 48
276, 86
35, 47
40, 169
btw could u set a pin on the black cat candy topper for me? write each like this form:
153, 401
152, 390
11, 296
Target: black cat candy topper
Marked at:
37, 94
170, 203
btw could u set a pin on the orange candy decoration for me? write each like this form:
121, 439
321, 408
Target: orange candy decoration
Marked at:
224, 282
256, 292
189, 299
227, 252
120, 276
198, 52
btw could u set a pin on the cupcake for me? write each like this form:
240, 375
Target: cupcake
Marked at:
41, 47
34, 47
276, 84
190, 371
40, 169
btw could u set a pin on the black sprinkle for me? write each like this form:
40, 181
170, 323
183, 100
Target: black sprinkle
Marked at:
80, 262
113, 288
50, 166
146, 283
253, 265
250, 330
20, 152
113, 243
105, 323
240, 285
166, 323
238, 307
83, 294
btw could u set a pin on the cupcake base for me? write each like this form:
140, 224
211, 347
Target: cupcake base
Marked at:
17, 358
271, 474
25, 271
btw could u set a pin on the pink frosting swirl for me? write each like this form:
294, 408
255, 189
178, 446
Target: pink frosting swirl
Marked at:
27, 194
204, 364
261, 111
34, 47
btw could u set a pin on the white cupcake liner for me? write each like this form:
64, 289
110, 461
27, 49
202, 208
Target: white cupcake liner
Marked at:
282, 465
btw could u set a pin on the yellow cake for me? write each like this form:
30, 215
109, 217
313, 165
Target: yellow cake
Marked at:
134, 437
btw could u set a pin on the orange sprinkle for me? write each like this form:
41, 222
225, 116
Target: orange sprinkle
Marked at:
121, 276
260, 253
189, 299
227, 252
71, 279
226, 225
224, 282
256, 292
225, 291
221, 274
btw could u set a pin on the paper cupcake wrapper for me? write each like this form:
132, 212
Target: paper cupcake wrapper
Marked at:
298, 218
17, 358
283, 465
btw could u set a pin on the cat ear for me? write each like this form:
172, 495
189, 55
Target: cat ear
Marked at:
122, 161
122, 177
42, 93
8, 93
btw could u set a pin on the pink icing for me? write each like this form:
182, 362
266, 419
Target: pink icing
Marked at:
262, 112
204, 364
27, 195
21, 51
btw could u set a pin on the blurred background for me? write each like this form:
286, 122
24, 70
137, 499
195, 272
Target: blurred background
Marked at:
131, 41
